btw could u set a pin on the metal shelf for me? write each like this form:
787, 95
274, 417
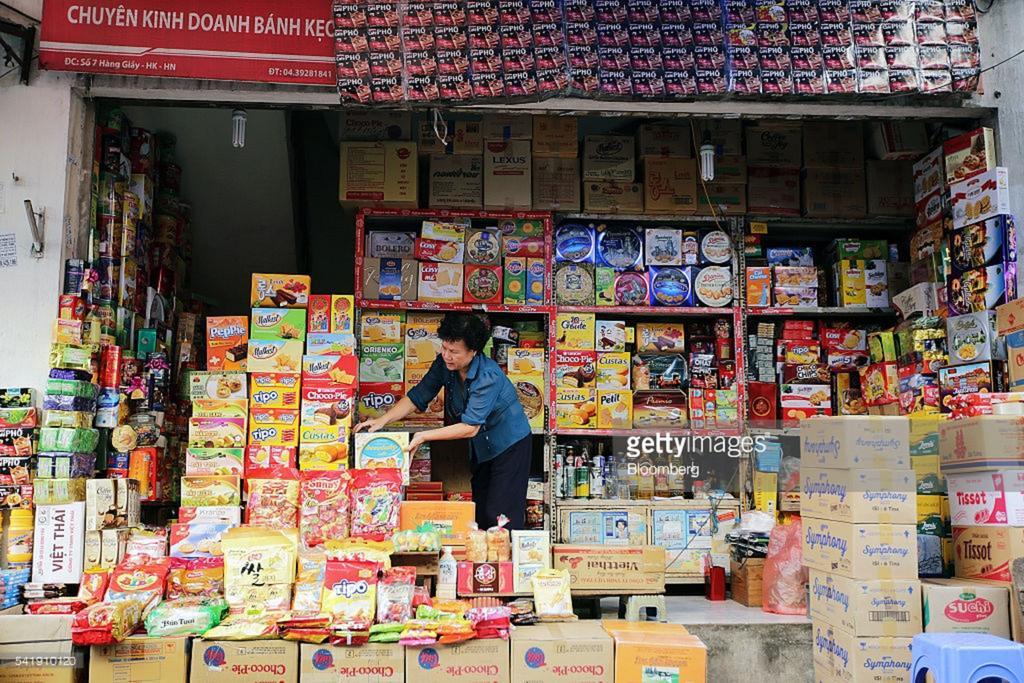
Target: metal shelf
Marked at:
658, 311
374, 304
812, 225
648, 431
819, 311
671, 219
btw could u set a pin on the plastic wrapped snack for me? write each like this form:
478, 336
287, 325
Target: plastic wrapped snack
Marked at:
309, 582
499, 543
476, 544
350, 594
195, 577
394, 595
374, 498
551, 596
185, 617
323, 507
246, 627
423, 539
360, 550
106, 623
143, 544
386, 633
143, 581
94, 584
273, 498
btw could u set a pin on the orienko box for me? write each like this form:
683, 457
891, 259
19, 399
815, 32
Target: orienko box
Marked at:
877, 551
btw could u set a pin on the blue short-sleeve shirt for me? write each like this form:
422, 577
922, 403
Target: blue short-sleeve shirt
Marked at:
487, 398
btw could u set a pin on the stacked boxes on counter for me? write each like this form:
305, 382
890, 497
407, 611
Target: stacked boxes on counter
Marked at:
614, 375
19, 422
934, 529
620, 264
857, 502
382, 364
450, 261
773, 163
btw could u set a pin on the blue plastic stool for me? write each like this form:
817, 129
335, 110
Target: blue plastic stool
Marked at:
966, 658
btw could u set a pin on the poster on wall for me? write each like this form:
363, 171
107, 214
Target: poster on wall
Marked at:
263, 41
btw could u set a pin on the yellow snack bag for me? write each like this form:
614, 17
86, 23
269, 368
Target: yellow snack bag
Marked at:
552, 599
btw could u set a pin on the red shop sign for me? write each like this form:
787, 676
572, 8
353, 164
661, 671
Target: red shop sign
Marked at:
266, 41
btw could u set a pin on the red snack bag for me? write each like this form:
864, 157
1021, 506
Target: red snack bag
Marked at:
395, 595
106, 623
94, 585
374, 497
323, 506
143, 581
273, 498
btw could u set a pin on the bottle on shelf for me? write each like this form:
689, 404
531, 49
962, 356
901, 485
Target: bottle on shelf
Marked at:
447, 570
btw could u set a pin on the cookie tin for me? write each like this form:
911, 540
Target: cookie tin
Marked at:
620, 247
672, 286
574, 243
574, 284
715, 247
713, 286
632, 289
663, 247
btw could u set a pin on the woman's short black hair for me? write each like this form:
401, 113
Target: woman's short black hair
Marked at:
464, 327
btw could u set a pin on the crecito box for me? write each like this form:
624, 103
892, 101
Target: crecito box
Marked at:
867, 496
958, 606
578, 652
867, 608
866, 551
856, 441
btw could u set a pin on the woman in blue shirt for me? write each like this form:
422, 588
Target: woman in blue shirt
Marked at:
480, 404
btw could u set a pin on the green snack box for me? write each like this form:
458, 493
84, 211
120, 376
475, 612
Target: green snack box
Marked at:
514, 287
382, 363
604, 279
68, 440
278, 323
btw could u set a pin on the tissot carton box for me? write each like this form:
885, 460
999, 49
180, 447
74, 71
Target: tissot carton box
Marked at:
250, 661
139, 658
986, 442
474, 661
556, 184
959, 606
370, 663
379, 174
456, 182
875, 496
508, 167
577, 652
866, 607
856, 441
864, 551
990, 498
985, 552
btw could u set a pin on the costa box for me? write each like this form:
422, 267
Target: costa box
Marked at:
866, 608
140, 658
856, 441
226, 342
474, 661
859, 658
508, 165
992, 498
876, 496
875, 551
255, 661
609, 157
370, 663
577, 652
958, 606
440, 282
379, 174
986, 442
456, 182
596, 567
556, 184
670, 185
981, 197
985, 552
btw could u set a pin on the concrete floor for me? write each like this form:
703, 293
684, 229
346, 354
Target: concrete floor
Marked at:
743, 642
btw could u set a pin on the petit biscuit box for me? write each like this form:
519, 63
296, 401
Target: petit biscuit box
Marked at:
614, 409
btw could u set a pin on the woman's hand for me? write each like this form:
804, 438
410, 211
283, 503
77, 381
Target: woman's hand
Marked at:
415, 442
372, 425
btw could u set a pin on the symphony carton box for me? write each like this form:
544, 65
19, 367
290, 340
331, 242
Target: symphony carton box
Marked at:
993, 498
958, 606
370, 663
379, 174
866, 551
986, 442
857, 658
866, 608
139, 658
878, 496
577, 652
474, 661
985, 552
611, 567
855, 441
250, 661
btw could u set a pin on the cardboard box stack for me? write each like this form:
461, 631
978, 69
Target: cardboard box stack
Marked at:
643, 648
773, 168
858, 504
669, 169
934, 528
609, 172
833, 170
556, 164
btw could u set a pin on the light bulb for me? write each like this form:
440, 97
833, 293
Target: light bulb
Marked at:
707, 163
238, 118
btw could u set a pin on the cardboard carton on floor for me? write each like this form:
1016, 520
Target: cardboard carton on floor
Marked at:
855, 441
37, 636
140, 658
863, 551
960, 606
866, 608
993, 498
602, 567
370, 663
856, 658
253, 661
475, 661
578, 652
651, 655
